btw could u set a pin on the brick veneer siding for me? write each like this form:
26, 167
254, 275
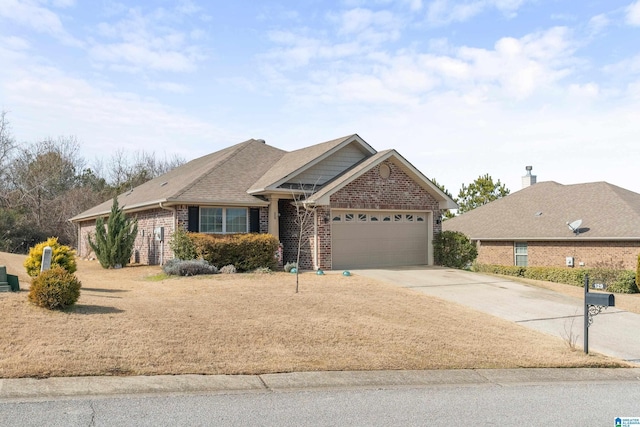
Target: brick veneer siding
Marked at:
145, 249
370, 191
289, 232
554, 254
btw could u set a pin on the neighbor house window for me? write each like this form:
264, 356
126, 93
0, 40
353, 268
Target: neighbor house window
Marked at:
521, 253
223, 220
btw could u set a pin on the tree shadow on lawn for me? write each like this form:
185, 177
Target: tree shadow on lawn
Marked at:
104, 290
94, 309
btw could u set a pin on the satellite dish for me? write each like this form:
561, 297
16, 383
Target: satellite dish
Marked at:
575, 225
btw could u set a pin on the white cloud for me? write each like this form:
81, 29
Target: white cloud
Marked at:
38, 18
14, 43
146, 42
584, 91
103, 120
598, 23
442, 12
633, 13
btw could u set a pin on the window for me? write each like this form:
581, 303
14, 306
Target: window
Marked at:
373, 218
223, 220
337, 218
520, 250
348, 217
211, 220
236, 220
397, 217
408, 218
362, 217
386, 218
420, 218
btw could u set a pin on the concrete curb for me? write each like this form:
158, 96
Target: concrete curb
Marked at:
29, 388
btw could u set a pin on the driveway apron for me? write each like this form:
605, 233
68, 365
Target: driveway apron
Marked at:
613, 332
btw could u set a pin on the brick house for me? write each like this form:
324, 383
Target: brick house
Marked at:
531, 227
371, 209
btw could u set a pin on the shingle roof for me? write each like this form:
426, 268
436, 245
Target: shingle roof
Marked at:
223, 177
541, 212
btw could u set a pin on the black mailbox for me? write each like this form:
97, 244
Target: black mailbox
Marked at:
595, 298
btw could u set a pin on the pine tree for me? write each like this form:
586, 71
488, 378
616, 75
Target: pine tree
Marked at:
113, 246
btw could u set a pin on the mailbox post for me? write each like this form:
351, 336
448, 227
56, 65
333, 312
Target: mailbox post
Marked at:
594, 302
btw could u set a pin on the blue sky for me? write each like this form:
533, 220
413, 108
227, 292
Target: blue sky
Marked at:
459, 88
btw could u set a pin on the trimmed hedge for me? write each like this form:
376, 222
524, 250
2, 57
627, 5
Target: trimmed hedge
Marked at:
247, 252
619, 281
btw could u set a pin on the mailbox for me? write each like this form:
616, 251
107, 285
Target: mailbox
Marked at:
595, 298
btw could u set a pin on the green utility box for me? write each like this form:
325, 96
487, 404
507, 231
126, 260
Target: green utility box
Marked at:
8, 282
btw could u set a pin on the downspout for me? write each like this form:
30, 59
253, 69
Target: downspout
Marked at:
173, 210
315, 234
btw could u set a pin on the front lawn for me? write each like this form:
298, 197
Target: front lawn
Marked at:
132, 321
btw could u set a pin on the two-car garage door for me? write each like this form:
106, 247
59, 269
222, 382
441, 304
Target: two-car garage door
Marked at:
368, 239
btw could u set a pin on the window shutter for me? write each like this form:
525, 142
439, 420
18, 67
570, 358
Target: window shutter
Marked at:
194, 219
254, 220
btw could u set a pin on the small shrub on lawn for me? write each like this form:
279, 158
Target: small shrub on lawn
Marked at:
290, 265
61, 255
182, 246
192, 267
262, 270
228, 269
55, 288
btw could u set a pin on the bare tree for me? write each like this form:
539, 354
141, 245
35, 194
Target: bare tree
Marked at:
41, 177
304, 220
126, 173
7, 146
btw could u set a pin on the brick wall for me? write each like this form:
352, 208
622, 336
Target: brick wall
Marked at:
145, 249
371, 191
554, 254
289, 232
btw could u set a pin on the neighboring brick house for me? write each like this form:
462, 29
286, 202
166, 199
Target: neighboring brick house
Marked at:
531, 227
371, 209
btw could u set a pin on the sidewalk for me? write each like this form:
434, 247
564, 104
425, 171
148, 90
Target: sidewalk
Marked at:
49, 388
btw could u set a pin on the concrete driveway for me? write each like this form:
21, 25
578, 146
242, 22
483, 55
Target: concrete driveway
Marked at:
613, 332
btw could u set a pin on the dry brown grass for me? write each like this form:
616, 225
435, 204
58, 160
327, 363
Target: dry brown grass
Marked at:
126, 324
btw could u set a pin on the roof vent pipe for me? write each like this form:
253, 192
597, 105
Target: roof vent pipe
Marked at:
528, 179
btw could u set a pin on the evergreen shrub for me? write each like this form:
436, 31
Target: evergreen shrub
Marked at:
454, 249
55, 289
182, 246
61, 255
114, 244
